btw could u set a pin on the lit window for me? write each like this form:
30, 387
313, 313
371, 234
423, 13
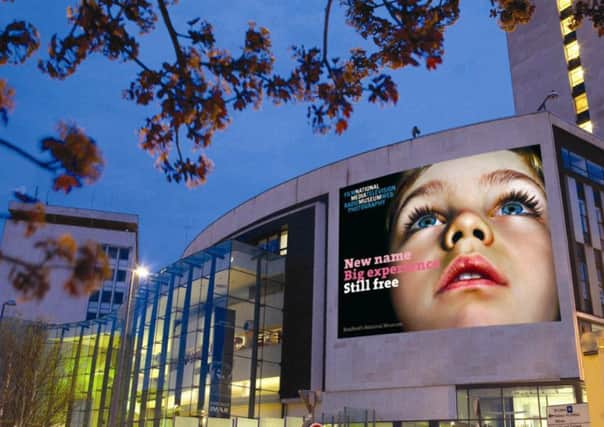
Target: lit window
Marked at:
587, 126
283, 242
571, 51
575, 76
581, 103
566, 25
563, 4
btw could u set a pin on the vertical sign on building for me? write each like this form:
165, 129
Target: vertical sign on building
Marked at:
222, 363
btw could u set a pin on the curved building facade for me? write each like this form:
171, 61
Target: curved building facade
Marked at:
384, 307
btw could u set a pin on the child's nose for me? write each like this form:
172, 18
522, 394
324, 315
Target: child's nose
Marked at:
467, 225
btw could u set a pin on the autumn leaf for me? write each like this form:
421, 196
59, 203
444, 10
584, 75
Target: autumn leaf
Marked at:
341, 126
432, 62
7, 102
65, 183
34, 218
67, 246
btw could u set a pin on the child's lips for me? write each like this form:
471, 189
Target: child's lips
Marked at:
470, 271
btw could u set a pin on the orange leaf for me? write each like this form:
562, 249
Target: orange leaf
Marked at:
341, 126
433, 61
65, 183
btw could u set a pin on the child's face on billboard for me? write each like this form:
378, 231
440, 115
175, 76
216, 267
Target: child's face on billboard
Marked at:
484, 219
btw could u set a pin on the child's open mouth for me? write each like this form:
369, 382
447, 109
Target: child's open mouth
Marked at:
469, 272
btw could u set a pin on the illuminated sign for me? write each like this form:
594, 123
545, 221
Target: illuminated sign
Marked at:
460, 243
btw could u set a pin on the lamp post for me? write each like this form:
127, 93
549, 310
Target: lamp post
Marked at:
120, 384
551, 95
10, 302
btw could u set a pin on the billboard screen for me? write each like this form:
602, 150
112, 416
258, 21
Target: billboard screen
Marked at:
460, 243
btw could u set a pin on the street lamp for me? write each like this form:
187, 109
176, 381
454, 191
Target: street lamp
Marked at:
120, 384
10, 302
551, 95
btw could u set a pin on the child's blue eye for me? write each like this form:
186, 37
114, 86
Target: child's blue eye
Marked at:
513, 207
425, 221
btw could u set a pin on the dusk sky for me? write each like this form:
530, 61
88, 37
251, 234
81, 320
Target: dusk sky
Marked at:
261, 148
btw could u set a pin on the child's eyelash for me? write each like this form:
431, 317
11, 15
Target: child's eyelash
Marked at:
417, 214
522, 196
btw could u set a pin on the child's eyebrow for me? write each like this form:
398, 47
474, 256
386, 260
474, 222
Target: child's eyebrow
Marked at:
505, 176
430, 187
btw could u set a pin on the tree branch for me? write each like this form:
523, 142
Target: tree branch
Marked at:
44, 165
177, 143
391, 11
173, 35
326, 31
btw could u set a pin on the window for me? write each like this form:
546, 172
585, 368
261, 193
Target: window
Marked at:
581, 103
276, 243
90, 315
577, 164
272, 245
571, 51
599, 274
564, 4
599, 219
555, 395
583, 212
124, 254
600, 223
118, 298
106, 296
112, 252
121, 276
509, 406
283, 242
595, 172
565, 25
584, 297
94, 296
587, 126
576, 76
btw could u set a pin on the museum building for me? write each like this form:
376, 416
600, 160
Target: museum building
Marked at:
323, 284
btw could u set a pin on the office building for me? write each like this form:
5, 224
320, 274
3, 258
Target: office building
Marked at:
117, 232
547, 54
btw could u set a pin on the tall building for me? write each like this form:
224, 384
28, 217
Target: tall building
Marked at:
117, 232
547, 54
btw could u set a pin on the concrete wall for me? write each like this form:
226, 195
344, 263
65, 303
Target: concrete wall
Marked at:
413, 375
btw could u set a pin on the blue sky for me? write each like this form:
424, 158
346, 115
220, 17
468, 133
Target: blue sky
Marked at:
261, 148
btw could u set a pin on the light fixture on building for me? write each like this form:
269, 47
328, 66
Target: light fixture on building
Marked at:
551, 95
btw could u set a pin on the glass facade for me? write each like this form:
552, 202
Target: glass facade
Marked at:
205, 342
207, 337
587, 239
87, 367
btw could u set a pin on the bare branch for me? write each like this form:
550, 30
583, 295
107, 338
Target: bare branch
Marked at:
173, 35
326, 30
48, 165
